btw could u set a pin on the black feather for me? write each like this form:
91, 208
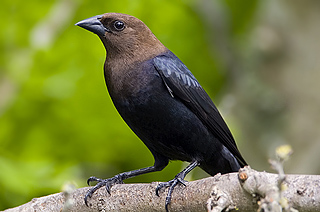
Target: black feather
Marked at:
182, 84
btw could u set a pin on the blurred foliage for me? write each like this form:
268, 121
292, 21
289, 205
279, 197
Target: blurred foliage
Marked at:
57, 122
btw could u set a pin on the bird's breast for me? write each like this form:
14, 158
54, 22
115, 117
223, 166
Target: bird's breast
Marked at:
134, 83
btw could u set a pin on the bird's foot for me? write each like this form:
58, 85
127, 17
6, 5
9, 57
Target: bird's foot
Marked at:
171, 184
100, 183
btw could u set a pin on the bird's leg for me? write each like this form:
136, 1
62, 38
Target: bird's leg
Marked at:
179, 178
118, 179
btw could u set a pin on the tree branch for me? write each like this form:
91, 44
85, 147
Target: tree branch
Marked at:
242, 191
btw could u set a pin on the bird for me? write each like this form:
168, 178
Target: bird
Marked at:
162, 102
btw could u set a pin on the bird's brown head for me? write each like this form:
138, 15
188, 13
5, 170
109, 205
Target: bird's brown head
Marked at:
124, 36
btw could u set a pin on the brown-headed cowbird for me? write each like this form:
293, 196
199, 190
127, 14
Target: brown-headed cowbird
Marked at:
162, 102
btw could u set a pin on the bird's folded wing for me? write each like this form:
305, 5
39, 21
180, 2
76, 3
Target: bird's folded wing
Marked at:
183, 85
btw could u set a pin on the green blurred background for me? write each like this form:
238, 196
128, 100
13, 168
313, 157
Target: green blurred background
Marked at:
258, 60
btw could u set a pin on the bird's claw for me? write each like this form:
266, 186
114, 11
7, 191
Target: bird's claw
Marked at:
171, 184
93, 179
101, 182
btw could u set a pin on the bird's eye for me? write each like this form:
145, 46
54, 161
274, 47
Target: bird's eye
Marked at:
118, 25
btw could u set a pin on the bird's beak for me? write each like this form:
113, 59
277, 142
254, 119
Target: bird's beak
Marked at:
94, 25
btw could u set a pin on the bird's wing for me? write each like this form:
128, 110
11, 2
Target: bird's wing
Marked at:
181, 84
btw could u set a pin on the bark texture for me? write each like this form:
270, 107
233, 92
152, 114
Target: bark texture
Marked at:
243, 191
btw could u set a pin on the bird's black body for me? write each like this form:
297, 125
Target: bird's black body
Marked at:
162, 102
162, 115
